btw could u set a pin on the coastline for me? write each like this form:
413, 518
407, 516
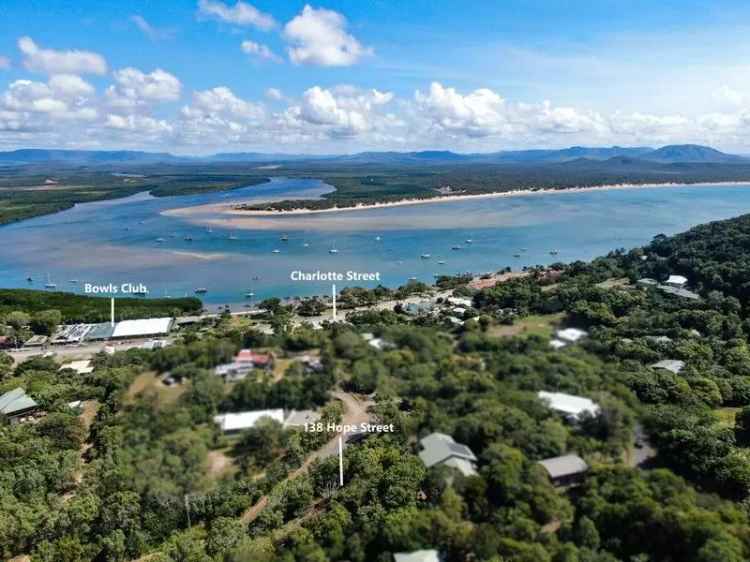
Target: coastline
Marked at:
236, 210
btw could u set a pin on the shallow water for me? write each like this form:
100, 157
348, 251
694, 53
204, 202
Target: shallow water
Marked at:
116, 241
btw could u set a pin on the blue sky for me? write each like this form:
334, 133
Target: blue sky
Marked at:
196, 76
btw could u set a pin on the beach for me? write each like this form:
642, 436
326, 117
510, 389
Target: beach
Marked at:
232, 215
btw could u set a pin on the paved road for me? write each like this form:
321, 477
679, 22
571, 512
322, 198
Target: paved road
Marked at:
83, 351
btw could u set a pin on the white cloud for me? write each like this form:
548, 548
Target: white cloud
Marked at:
259, 50
51, 61
241, 13
4, 63
729, 96
319, 37
70, 85
274, 94
135, 88
153, 33
60, 99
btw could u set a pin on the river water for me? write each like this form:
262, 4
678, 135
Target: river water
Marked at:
133, 240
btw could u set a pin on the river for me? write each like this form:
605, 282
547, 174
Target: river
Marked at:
140, 239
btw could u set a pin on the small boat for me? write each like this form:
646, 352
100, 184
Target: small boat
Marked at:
276, 252
249, 295
201, 291
469, 241
516, 255
377, 238
306, 245
333, 250
425, 256
232, 237
441, 262
256, 278
524, 249
553, 252
141, 294
209, 230
285, 238
160, 240
455, 247
50, 284
30, 279
74, 281
188, 238
412, 278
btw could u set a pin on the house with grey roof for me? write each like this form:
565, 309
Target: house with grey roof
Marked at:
417, 556
567, 470
671, 365
16, 404
441, 449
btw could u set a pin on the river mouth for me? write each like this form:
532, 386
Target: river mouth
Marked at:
175, 245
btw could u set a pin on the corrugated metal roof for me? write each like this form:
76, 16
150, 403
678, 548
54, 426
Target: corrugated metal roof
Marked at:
566, 465
143, 327
417, 556
16, 400
568, 403
246, 420
439, 447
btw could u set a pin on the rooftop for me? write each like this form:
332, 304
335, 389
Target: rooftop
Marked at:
144, 327
438, 448
571, 334
417, 556
566, 465
569, 404
15, 401
672, 365
246, 420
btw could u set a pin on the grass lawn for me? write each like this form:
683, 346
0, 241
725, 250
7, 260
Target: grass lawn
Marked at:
149, 381
727, 415
536, 324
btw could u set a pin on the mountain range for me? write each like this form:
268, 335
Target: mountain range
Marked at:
687, 153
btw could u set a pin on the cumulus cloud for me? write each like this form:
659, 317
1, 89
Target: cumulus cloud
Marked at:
240, 14
150, 31
135, 88
319, 37
51, 61
274, 94
259, 50
61, 98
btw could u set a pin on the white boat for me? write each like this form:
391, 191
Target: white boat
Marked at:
249, 295
160, 240
333, 250
306, 245
276, 251
188, 238
469, 241
50, 284
441, 262
377, 238
425, 256
232, 237
285, 238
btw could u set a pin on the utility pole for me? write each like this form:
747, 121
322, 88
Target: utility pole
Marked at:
341, 461
112, 311
333, 295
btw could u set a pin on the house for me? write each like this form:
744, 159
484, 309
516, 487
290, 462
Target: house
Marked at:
244, 363
154, 344
16, 404
671, 365
380, 344
419, 308
571, 335
462, 302
571, 406
567, 470
441, 449
142, 328
647, 282
233, 422
417, 556
36, 341
82, 367
676, 281
311, 364
679, 292
257, 360
557, 344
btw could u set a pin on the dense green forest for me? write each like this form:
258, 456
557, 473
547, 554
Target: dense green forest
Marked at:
144, 473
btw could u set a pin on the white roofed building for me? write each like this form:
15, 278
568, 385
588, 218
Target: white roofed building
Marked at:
571, 335
571, 406
240, 421
676, 281
417, 556
142, 328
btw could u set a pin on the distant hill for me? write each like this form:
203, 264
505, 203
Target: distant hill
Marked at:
691, 153
616, 155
